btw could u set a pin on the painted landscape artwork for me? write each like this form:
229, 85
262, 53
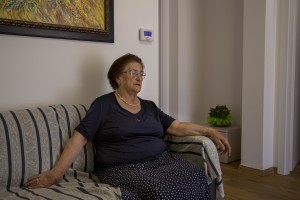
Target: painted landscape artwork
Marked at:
82, 14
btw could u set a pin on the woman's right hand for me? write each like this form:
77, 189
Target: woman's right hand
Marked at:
48, 178
43, 180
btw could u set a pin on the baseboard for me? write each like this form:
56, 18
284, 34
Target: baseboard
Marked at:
265, 172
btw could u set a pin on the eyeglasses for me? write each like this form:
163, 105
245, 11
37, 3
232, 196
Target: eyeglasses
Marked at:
134, 73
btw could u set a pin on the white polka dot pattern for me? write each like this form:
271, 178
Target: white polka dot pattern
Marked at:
167, 177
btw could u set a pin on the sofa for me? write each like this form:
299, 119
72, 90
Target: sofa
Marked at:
33, 139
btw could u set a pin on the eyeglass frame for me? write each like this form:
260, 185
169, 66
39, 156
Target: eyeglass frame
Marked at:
134, 73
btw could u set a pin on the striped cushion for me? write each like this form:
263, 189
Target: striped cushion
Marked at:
32, 140
69, 117
28, 144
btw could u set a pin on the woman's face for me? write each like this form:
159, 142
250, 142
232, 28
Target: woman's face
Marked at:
131, 79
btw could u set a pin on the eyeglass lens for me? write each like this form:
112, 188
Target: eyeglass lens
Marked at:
135, 73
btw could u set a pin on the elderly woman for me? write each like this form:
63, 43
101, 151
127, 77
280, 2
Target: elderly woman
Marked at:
127, 132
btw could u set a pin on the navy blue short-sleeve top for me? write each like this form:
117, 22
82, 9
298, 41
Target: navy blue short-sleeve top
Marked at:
120, 136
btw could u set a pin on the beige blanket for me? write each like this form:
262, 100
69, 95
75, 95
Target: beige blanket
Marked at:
201, 151
74, 186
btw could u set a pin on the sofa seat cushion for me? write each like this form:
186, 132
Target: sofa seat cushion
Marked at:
74, 185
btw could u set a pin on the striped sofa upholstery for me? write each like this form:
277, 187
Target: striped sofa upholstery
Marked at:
31, 141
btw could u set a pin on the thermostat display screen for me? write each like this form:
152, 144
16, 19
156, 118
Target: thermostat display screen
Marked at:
147, 33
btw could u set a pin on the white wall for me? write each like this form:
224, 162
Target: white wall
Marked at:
42, 71
259, 75
190, 59
270, 90
223, 56
253, 82
296, 136
287, 128
224, 52
205, 57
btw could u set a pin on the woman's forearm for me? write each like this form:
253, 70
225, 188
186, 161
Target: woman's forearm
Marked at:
71, 150
48, 178
188, 129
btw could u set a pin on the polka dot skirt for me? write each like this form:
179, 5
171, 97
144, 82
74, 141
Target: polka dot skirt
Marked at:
167, 177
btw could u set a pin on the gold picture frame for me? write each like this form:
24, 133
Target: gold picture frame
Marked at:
91, 20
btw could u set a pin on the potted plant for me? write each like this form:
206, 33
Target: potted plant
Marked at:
219, 116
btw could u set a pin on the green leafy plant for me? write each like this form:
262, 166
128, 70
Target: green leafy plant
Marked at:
219, 116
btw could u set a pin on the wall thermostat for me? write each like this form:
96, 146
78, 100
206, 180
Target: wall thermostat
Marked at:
146, 35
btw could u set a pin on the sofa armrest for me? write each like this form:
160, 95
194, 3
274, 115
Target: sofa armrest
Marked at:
203, 152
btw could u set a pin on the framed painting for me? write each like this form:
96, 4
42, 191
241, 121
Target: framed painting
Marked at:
91, 20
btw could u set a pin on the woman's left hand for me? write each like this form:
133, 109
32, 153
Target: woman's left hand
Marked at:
223, 145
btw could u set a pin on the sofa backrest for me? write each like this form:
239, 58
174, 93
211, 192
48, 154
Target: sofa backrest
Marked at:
33, 139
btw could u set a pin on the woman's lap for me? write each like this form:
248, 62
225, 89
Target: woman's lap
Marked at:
167, 177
